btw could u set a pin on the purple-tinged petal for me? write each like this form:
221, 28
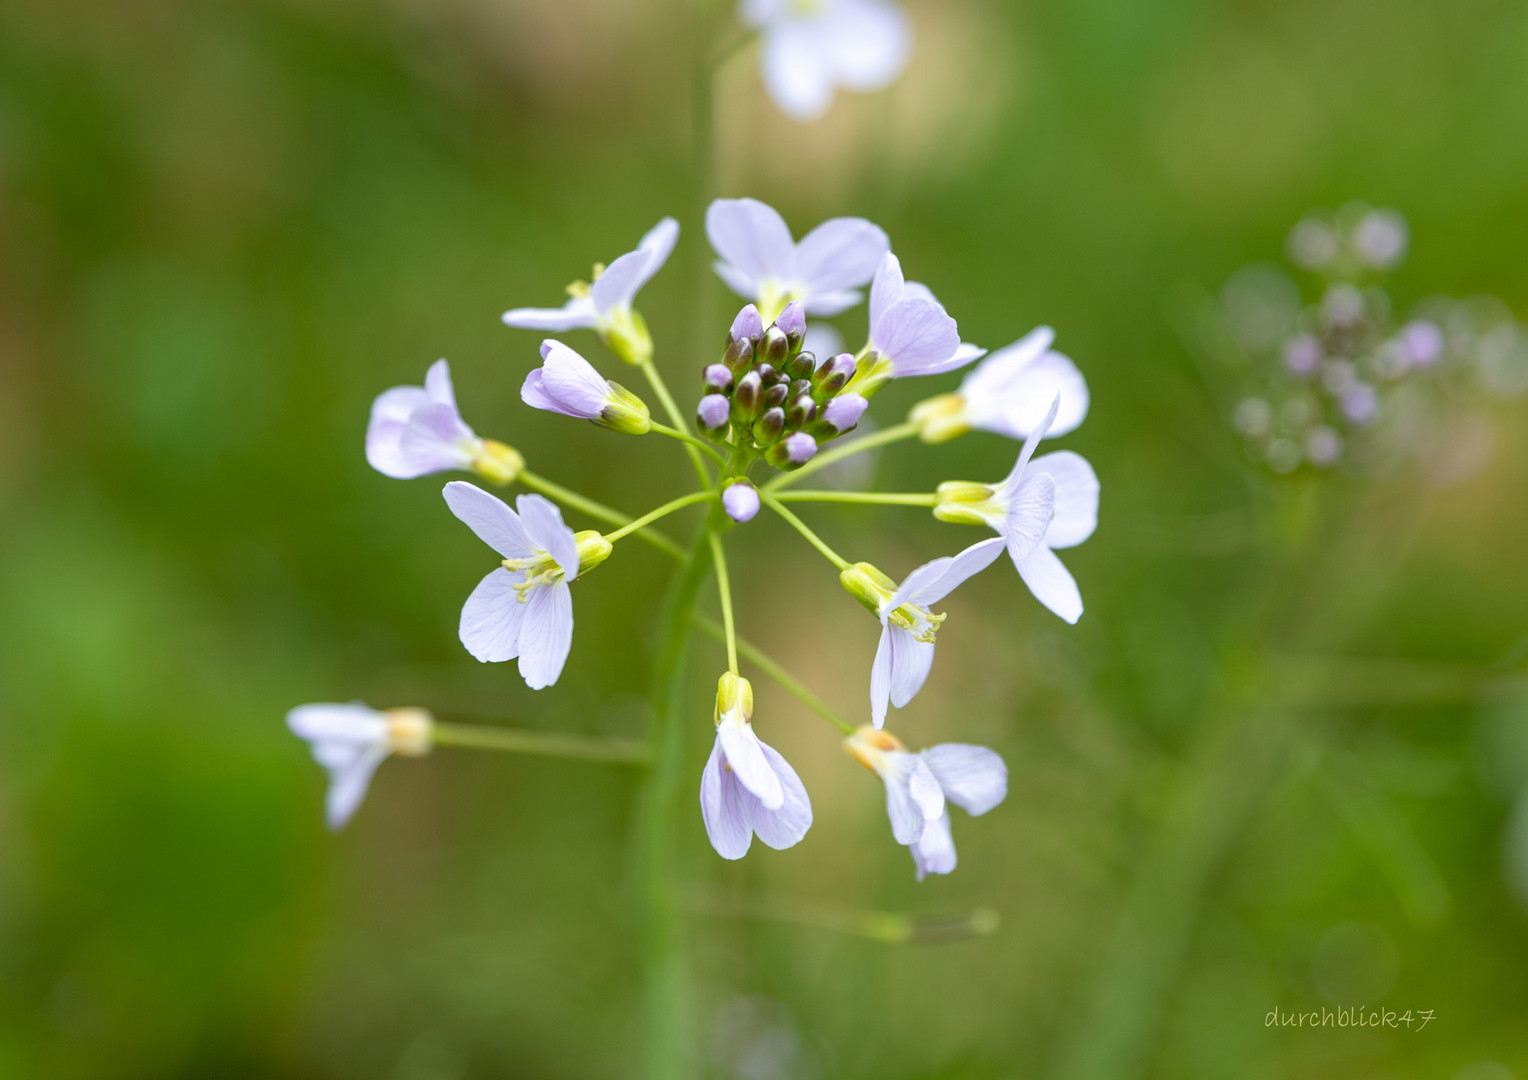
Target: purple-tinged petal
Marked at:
886, 288
490, 518
435, 440
796, 74
399, 403
844, 411
722, 808
913, 798
786, 825
934, 851
919, 338
1030, 442
935, 580
1051, 583
546, 634
911, 661
793, 319
1076, 507
1030, 509
713, 411
659, 243
974, 778
741, 501
840, 254
348, 785
384, 451
745, 756
825, 305
880, 679
542, 521
618, 285
437, 383
751, 237
492, 618
799, 448
534, 394
577, 314
573, 383
747, 324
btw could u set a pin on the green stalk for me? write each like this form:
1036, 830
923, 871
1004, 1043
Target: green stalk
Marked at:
792, 685
676, 418
653, 515
598, 511
871, 498
801, 527
849, 449
520, 741
688, 439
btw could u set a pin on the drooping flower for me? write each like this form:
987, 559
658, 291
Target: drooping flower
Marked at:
524, 608
918, 785
1046, 503
906, 650
1008, 393
747, 788
567, 383
350, 741
910, 333
813, 47
417, 430
760, 261
605, 305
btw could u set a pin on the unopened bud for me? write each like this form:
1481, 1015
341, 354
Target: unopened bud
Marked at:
593, 549
801, 366
775, 396
801, 411
769, 427
963, 502
940, 418
776, 346
497, 463
712, 414
410, 732
625, 412
834, 375
734, 699
747, 398
843, 412
793, 321
870, 374
768, 374
739, 356
747, 326
741, 500
793, 452
869, 586
717, 377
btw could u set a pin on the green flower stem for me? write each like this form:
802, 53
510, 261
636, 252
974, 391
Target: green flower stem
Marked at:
890, 927
691, 441
598, 511
724, 587
662, 511
866, 497
759, 659
845, 450
520, 741
800, 526
676, 417
667, 1022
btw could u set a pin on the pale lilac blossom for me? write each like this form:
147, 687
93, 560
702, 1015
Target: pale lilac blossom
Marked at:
910, 332
811, 48
418, 430
1008, 393
566, 383
350, 741
747, 788
759, 260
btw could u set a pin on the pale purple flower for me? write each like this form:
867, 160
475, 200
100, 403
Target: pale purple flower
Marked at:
605, 305
813, 47
524, 608
350, 741
1008, 393
417, 430
741, 500
567, 383
747, 788
919, 785
760, 261
910, 332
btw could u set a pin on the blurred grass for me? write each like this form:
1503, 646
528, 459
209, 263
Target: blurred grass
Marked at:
224, 228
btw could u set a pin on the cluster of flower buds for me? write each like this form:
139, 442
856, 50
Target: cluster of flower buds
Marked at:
768, 397
1342, 376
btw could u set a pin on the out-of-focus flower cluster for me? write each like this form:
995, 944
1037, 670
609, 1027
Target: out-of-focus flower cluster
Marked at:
1334, 374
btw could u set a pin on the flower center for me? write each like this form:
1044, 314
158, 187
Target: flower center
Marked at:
540, 570
923, 623
773, 296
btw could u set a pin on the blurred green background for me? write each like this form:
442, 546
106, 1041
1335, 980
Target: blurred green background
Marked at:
1273, 767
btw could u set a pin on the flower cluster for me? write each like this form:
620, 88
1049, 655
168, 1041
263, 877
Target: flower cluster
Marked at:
767, 403
1342, 377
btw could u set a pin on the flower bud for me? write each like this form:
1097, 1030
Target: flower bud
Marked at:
739, 356
801, 411
801, 366
842, 413
940, 418
834, 375
775, 347
793, 321
593, 549
768, 375
497, 463
747, 326
718, 378
869, 586
712, 414
410, 732
775, 396
625, 412
734, 698
741, 500
793, 452
747, 398
962, 502
769, 427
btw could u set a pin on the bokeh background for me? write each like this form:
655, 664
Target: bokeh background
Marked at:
1273, 767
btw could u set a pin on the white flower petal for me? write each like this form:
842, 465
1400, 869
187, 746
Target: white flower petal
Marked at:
737, 280
924, 788
911, 661
573, 382
1030, 442
490, 518
1000, 369
659, 243
1051, 582
546, 634
746, 757
618, 285
752, 238
934, 851
868, 42
722, 808
349, 723
936, 579
437, 384
1030, 509
880, 679
840, 254
784, 826
825, 305
1076, 509
534, 394
577, 314
435, 440
886, 288
347, 786
974, 778
399, 403
1009, 393
542, 521
492, 618
919, 338
384, 449
906, 815
796, 74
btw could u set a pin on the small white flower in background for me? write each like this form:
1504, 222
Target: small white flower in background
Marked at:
1007, 394
523, 609
567, 383
908, 629
813, 47
1050, 502
747, 788
760, 261
417, 430
919, 785
605, 305
910, 333
350, 741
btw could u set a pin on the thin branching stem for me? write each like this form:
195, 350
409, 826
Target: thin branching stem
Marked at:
873, 498
521, 741
801, 527
662, 511
666, 399
690, 440
598, 511
724, 589
776, 671
845, 450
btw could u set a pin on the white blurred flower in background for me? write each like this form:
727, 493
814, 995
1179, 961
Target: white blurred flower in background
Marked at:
811, 48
